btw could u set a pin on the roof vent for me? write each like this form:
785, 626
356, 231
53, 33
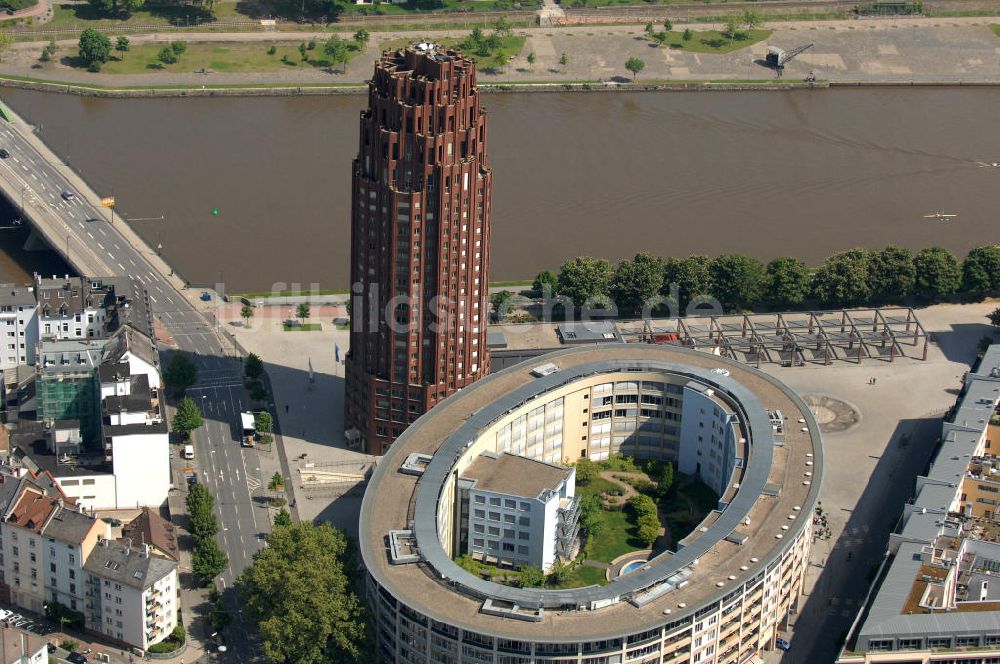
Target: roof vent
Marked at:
546, 369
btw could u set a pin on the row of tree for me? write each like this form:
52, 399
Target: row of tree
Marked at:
209, 560
849, 278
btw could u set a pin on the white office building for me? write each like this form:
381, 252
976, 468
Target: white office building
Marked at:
519, 511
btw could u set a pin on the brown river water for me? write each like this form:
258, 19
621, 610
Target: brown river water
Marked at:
802, 173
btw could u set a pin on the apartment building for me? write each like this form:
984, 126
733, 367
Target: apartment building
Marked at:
72, 307
18, 646
938, 599
18, 326
132, 595
70, 536
519, 511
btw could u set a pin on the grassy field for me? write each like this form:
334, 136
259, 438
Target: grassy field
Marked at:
304, 327
510, 46
616, 538
713, 41
216, 57
995, 27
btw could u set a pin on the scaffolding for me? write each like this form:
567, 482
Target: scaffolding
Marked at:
795, 338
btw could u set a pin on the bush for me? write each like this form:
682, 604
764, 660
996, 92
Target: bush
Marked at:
94, 66
257, 391
178, 47
167, 56
69, 645
643, 506
272, 50
311, 45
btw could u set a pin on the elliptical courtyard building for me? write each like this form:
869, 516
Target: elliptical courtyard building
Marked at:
420, 236
721, 595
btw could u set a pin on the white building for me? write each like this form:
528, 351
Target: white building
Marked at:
18, 646
72, 308
519, 511
18, 326
710, 433
70, 537
133, 594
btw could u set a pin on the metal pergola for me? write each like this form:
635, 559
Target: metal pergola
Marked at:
795, 338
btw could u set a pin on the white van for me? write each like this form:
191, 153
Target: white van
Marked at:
188, 452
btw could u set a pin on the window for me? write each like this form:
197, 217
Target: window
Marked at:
480, 500
510, 504
494, 502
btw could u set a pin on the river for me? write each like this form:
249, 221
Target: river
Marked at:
764, 173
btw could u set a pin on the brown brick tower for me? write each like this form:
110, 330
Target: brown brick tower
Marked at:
420, 237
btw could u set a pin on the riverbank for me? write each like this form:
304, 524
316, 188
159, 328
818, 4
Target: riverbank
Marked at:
917, 51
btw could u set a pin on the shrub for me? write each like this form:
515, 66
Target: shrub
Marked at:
272, 50
94, 66
178, 47
167, 56
311, 45
643, 506
688, 34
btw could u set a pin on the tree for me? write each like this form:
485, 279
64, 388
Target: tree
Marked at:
102, 6
94, 47
585, 278
503, 27
200, 505
208, 561
787, 282
559, 571
502, 60
277, 481
994, 317
187, 418
737, 280
253, 367
753, 19
635, 65
303, 51
530, 577
586, 471
302, 311
692, 275
891, 274
246, 313
336, 49
667, 25
362, 36
649, 28
127, 7
476, 36
636, 282
938, 273
282, 518
647, 529
122, 45
167, 56
981, 270
178, 47
843, 278
732, 30
545, 284
264, 422
688, 34
564, 59
298, 594
531, 60
501, 302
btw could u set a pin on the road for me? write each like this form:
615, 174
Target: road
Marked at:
227, 469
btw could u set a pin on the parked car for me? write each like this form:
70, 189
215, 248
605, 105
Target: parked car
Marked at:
782, 644
4, 154
77, 658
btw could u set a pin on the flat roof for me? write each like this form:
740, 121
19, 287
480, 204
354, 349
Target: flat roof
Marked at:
395, 501
514, 475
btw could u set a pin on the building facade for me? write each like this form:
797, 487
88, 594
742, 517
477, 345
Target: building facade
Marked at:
133, 596
518, 511
18, 326
72, 307
420, 233
937, 598
722, 596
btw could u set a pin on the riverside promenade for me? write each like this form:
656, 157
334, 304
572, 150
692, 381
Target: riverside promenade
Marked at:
962, 50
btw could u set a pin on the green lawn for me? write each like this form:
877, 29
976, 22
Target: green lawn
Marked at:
599, 485
510, 46
216, 57
304, 327
713, 41
84, 16
591, 575
616, 537
995, 27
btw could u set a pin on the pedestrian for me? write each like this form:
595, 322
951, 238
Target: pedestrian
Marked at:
286, 407
873, 380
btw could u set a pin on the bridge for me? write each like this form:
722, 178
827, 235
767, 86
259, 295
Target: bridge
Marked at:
34, 179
